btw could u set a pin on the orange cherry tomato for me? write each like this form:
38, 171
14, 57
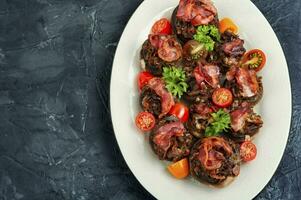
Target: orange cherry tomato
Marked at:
179, 169
248, 151
180, 111
162, 26
227, 24
143, 78
222, 97
254, 59
145, 121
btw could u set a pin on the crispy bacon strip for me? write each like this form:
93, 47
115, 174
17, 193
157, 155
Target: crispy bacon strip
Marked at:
202, 109
234, 48
209, 73
211, 152
230, 75
166, 132
157, 40
198, 75
167, 100
238, 118
198, 12
170, 51
247, 81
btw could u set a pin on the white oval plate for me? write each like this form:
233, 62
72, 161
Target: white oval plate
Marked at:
275, 107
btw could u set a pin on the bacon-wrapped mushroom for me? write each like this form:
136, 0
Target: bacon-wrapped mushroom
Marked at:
199, 119
190, 14
206, 77
244, 123
245, 84
214, 160
231, 49
158, 51
155, 98
170, 140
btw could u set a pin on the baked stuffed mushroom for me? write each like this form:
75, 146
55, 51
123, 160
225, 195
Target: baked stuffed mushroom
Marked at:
170, 140
244, 123
205, 78
245, 85
190, 14
231, 49
214, 160
158, 51
199, 119
155, 98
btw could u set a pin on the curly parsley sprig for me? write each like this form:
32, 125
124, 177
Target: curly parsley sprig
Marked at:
175, 78
207, 35
220, 122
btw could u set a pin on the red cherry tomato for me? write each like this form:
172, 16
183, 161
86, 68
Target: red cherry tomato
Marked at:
143, 78
248, 151
162, 26
180, 111
145, 121
222, 97
254, 59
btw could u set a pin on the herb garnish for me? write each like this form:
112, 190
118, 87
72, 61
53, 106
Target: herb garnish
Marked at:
175, 78
220, 122
207, 35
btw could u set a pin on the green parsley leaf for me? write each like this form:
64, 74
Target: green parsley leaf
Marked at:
175, 78
207, 35
220, 122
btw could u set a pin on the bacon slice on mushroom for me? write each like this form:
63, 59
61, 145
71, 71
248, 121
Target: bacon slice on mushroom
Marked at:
202, 109
166, 132
209, 73
198, 12
157, 40
234, 48
246, 80
169, 49
211, 152
238, 118
167, 100
230, 75
214, 160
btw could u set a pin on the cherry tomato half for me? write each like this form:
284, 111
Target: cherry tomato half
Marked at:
143, 78
180, 111
193, 48
254, 59
145, 121
227, 24
222, 97
248, 151
179, 169
162, 26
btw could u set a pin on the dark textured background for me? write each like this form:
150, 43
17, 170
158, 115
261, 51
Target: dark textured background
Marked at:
56, 139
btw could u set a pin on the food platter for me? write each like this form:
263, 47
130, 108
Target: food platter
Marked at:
275, 107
